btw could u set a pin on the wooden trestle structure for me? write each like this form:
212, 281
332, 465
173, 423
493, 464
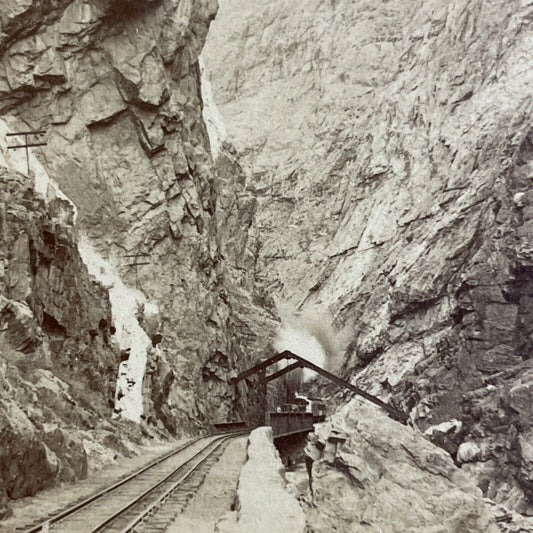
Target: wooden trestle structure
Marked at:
300, 362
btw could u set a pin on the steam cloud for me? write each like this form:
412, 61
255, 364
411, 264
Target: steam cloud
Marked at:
310, 334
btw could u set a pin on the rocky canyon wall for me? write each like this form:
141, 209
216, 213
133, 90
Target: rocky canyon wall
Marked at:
389, 146
116, 86
58, 364
86, 336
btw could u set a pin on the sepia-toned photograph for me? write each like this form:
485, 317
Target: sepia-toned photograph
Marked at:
266, 266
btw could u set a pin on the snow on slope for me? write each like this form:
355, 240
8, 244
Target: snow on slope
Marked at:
212, 117
125, 301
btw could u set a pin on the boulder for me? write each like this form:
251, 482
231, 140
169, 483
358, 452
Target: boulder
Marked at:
27, 464
264, 505
468, 452
387, 477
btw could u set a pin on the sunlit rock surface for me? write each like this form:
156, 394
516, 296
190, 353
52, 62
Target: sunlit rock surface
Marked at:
386, 477
263, 503
116, 86
391, 154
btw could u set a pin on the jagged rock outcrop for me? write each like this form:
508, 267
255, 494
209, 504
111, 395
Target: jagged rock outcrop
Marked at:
116, 86
390, 152
53, 313
105, 86
263, 503
251, 319
378, 475
58, 362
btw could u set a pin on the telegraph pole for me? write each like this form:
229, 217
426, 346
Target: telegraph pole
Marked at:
137, 262
26, 144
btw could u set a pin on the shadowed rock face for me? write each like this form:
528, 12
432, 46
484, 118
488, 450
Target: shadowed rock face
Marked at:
57, 359
116, 85
390, 147
53, 314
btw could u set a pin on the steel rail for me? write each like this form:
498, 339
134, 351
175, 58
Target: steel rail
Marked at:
98, 495
140, 517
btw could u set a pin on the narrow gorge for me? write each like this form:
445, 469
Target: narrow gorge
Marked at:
219, 181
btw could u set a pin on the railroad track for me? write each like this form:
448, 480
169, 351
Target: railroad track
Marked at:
148, 500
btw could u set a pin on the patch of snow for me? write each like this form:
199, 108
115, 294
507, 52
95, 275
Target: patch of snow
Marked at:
125, 302
518, 199
150, 309
212, 117
468, 452
451, 426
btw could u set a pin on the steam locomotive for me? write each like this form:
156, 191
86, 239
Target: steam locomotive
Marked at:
303, 404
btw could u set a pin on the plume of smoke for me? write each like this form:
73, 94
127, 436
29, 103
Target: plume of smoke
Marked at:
310, 333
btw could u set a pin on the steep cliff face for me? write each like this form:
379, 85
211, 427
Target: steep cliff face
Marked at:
85, 336
116, 86
251, 318
44, 279
58, 362
390, 147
